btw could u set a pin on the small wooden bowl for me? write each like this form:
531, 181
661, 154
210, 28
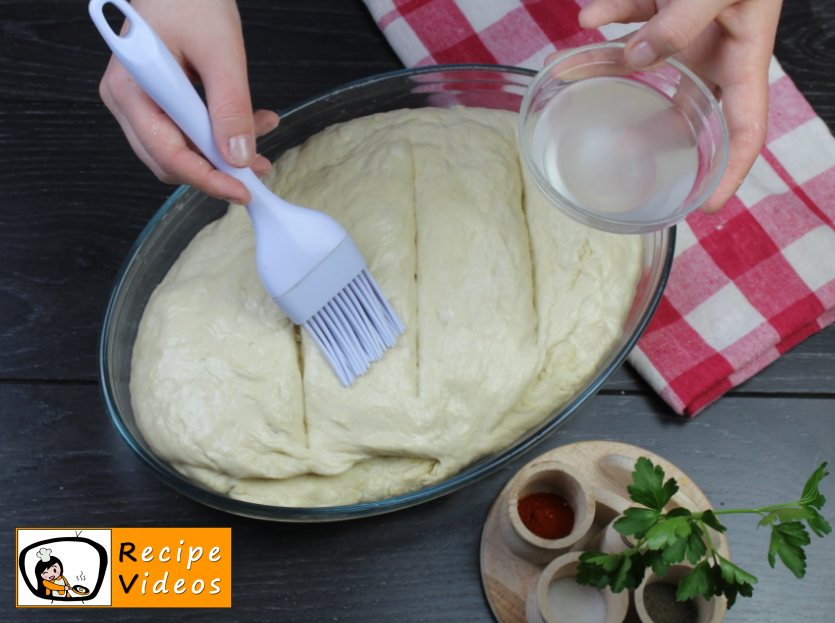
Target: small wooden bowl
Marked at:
554, 477
610, 541
712, 611
538, 608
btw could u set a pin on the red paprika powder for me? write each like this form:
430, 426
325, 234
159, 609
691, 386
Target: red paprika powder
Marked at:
546, 514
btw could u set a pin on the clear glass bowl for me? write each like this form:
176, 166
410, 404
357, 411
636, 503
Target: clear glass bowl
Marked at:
187, 211
696, 123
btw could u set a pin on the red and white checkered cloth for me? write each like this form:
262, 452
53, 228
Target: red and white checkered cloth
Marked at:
747, 284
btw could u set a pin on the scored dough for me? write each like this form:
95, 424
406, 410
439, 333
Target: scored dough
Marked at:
509, 308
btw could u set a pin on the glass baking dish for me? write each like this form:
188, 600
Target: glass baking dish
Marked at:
187, 211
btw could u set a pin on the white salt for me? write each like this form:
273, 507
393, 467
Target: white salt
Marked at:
572, 603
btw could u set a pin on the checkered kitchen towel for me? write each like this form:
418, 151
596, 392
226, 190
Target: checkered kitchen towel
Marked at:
748, 283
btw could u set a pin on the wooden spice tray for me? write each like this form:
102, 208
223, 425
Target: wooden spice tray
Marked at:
507, 578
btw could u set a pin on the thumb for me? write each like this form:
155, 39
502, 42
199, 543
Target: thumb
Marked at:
227, 95
671, 30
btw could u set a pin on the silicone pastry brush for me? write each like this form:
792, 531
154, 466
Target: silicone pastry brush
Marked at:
308, 263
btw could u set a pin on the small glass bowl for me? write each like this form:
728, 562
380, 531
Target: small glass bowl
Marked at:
188, 211
696, 110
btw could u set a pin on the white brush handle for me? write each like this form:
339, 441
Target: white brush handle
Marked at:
292, 240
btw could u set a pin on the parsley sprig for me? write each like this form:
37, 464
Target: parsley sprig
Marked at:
662, 539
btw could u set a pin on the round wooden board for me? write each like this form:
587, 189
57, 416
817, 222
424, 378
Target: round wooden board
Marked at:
507, 579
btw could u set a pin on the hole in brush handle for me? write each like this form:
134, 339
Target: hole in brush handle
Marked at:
118, 21
113, 19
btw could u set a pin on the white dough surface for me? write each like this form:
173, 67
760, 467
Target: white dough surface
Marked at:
509, 307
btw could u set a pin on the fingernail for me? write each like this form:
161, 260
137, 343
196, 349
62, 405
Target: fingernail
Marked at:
241, 150
641, 55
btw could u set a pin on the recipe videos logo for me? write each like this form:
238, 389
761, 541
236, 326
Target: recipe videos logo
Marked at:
124, 567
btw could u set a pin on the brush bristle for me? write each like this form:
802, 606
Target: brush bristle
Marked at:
355, 328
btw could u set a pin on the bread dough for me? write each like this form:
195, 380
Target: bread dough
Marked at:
509, 308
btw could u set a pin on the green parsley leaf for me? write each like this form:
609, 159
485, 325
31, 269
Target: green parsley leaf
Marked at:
618, 571
696, 548
717, 582
668, 532
787, 541
591, 570
710, 519
656, 560
785, 515
816, 522
609, 562
733, 574
811, 496
636, 521
731, 591
734, 580
636, 571
649, 488
698, 582
622, 578
674, 553
691, 547
730, 595
666, 539
746, 590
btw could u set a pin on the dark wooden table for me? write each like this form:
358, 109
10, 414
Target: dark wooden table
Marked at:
74, 200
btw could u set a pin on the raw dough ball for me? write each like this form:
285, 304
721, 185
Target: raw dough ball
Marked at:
509, 308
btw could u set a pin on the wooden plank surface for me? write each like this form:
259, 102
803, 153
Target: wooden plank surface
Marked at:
75, 200
805, 48
50, 50
420, 564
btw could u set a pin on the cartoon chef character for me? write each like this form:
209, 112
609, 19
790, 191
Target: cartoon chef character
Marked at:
50, 574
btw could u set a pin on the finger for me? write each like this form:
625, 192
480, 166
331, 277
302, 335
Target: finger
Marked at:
185, 166
265, 121
588, 63
261, 166
222, 70
196, 171
602, 12
745, 106
671, 30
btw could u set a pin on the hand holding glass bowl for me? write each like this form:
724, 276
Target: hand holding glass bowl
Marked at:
623, 150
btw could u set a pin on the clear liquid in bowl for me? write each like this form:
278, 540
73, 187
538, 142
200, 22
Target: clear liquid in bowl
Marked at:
617, 147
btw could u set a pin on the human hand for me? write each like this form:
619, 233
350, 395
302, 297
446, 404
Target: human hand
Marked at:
728, 43
205, 37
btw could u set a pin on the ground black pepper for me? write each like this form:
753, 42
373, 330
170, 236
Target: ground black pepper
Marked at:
663, 607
